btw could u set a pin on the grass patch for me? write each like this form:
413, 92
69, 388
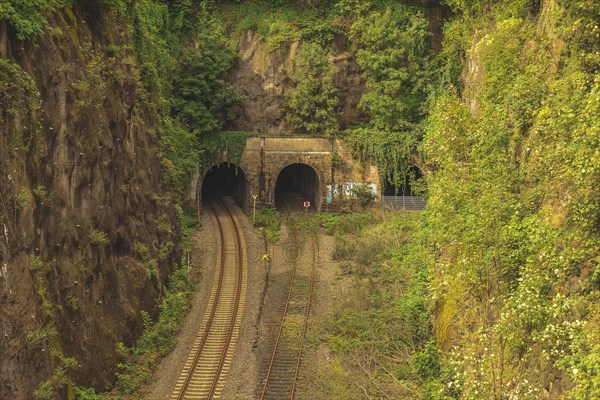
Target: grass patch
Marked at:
268, 223
381, 340
98, 237
348, 223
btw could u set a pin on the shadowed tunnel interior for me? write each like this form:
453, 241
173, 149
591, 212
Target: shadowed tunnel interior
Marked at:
407, 184
296, 184
226, 179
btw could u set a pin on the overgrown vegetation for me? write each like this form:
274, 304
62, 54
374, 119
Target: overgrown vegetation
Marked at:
394, 56
20, 104
380, 337
515, 202
268, 223
158, 339
313, 100
28, 17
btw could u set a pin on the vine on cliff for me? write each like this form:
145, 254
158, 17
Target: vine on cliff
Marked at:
20, 106
393, 55
514, 202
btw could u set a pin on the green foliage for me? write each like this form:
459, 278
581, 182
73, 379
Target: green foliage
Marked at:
158, 338
313, 100
28, 17
268, 222
579, 26
352, 223
215, 145
391, 151
98, 237
87, 394
22, 199
38, 337
202, 99
59, 382
36, 264
279, 24
382, 336
513, 200
155, 49
393, 55
20, 103
393, 58
427, 362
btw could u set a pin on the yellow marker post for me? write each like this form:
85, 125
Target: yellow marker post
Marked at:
254, 197
265, 259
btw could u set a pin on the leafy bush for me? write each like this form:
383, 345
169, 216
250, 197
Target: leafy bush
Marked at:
313, 100
28, 17
268, 222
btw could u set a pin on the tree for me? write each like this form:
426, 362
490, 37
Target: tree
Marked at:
312, 102
392, 55
202, 99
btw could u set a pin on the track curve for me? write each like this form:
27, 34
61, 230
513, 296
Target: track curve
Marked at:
210, 357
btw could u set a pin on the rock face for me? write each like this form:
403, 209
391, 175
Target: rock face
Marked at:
264, 77
87, 234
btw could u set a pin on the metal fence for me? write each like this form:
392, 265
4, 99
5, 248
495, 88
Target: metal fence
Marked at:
411, 203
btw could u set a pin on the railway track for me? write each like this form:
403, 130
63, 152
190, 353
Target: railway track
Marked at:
210, 358
290, 202
283, 369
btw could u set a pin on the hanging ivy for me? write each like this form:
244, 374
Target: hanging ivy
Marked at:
390, 151
215, 145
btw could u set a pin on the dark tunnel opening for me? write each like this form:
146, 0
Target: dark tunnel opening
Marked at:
296, 184
410, 185
226, 179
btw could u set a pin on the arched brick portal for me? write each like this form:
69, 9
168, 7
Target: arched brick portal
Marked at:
225, 179
297, 183
265, 157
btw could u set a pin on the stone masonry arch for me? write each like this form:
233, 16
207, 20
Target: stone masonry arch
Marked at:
264, 158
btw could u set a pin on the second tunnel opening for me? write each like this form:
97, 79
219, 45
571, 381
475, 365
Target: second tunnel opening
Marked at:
296, 184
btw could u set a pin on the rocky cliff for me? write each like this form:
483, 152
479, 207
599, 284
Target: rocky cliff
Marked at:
88, 235
263, 77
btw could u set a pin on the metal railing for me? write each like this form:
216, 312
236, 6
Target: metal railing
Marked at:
411, 203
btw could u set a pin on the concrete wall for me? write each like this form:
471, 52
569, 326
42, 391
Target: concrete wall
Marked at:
264, 158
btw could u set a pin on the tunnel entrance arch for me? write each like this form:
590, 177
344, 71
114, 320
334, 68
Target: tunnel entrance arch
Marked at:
405, 193
295, 184
226, 179
410, 185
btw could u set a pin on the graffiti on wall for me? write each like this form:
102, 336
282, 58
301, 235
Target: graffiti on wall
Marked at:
348, 189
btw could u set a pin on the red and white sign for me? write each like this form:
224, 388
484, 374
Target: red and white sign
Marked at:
306, 204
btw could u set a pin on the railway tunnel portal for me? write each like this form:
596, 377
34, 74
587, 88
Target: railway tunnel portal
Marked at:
321, 171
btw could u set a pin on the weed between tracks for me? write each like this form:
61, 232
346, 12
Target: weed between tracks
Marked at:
268, 223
